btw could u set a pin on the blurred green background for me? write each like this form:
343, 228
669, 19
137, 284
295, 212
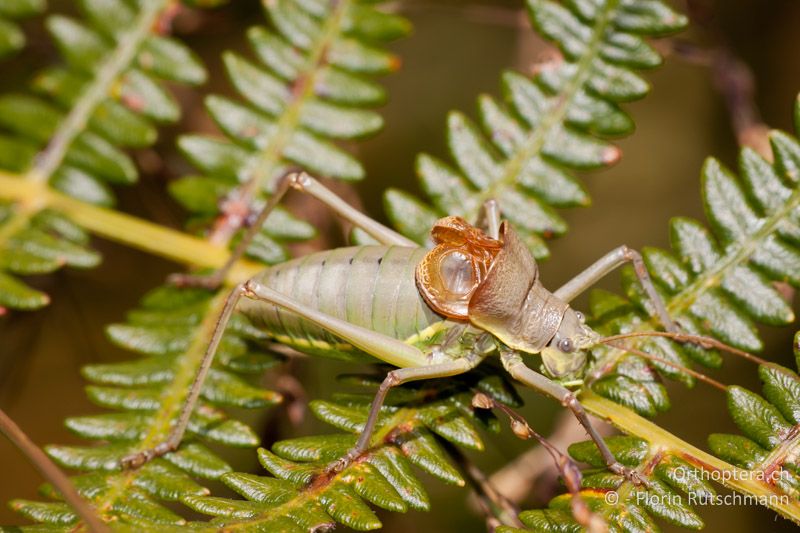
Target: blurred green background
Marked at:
457, 51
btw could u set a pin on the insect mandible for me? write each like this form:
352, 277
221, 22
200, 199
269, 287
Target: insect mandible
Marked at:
430, 313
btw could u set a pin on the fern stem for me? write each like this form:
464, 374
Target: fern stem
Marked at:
126, 229
556, 114
739, 479
128, 45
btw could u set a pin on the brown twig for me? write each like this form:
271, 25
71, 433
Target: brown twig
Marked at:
734, 80
498, 509
51, 472
570, 472
516, 479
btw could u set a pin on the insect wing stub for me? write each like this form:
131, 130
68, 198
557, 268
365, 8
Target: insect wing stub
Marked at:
450, 273
494, 284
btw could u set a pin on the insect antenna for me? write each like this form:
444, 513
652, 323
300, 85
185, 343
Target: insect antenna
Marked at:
700, 340
699, 375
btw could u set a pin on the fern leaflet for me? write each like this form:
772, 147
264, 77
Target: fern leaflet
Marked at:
70, 132
717, 282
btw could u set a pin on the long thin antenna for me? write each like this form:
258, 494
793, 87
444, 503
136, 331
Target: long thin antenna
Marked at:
699, 375
51, 472
702, 341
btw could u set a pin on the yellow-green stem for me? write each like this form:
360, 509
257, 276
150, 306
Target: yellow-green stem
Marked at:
739, 479
127, 229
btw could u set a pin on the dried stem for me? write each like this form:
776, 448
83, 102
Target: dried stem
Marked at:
570, 472
51, 472
498, 509
734, 80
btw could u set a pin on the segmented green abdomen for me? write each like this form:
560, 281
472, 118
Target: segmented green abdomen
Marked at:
371, 286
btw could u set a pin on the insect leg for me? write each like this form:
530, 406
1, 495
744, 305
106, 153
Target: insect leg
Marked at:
607, 263
176, 433
412, 361
304, 183
514, 365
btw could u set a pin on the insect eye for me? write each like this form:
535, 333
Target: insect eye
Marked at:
565, 345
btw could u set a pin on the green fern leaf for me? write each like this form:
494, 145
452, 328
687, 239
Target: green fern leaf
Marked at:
12, 38
170, 331
71, 131
302, 496
311, 84
524, 151
675, 486
717, 281
771, 425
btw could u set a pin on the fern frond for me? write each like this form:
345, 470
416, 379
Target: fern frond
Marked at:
717, 281
311, 84
770, 449
302, 497
12, 38
763, 465
525, 150
71, 130
170, 331
675, 486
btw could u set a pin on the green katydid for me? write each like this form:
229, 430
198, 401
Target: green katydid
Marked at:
430, 313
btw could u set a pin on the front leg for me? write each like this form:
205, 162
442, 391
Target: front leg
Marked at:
514, 365
612, 260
